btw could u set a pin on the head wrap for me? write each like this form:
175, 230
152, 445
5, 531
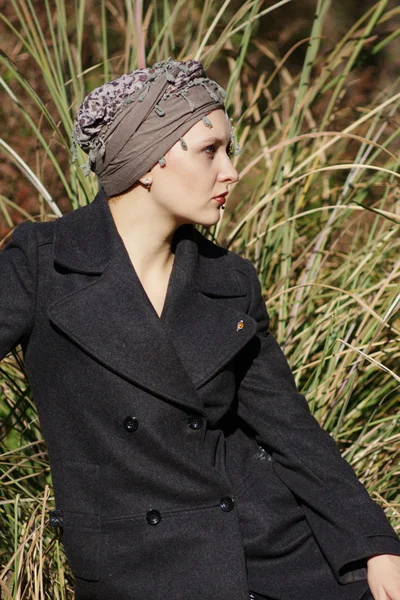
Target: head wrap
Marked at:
129, 123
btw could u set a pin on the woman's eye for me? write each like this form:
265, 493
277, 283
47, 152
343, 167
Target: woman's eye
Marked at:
213, 147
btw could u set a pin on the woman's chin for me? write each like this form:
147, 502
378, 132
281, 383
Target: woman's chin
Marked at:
205, 219
211, 219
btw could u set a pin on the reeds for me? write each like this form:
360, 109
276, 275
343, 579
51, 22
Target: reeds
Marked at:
316, 210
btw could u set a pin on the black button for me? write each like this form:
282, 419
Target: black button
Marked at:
56, 518
195, 422
227, 503
131, 423
153, 517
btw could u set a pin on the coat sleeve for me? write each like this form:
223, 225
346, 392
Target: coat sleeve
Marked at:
18, 276
347, 524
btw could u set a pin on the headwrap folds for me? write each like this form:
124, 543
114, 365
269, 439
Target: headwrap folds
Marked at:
129, 123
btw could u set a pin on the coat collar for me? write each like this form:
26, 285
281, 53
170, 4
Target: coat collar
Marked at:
113, 320
86, 238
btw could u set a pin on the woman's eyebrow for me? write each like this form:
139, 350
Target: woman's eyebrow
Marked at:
215, 139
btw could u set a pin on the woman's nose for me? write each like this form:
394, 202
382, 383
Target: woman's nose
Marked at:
229, 173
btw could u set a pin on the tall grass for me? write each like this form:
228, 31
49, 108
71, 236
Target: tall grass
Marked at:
316, 209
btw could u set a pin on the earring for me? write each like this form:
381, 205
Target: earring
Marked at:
147, 183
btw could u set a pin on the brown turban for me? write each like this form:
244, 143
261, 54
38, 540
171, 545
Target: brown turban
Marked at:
128, 124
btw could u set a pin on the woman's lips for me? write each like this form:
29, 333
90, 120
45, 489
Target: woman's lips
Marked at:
220, 199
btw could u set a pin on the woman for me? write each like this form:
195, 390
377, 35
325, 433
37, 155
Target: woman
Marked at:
185, 463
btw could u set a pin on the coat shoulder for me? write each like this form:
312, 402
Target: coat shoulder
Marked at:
28, 235
42, 231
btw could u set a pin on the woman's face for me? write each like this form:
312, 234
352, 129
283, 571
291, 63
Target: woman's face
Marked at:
188, 183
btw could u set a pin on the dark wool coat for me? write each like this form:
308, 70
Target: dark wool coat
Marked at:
185, 463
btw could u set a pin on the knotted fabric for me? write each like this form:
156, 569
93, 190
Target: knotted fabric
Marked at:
128, 124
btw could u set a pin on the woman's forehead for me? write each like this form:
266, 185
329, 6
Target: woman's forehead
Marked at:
220, 131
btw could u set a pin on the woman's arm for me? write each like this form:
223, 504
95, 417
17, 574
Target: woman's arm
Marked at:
348, 525
18, 276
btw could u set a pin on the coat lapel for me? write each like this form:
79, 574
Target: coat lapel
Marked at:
114, 321
199, 316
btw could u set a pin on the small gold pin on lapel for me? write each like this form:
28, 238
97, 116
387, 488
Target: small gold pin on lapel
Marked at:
240, 325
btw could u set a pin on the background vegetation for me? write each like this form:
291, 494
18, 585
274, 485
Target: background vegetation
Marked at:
313, 89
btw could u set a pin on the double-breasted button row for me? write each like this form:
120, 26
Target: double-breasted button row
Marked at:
131, 423
153, 517
195, 422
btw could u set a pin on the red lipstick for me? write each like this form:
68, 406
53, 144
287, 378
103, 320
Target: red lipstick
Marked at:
221, 198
